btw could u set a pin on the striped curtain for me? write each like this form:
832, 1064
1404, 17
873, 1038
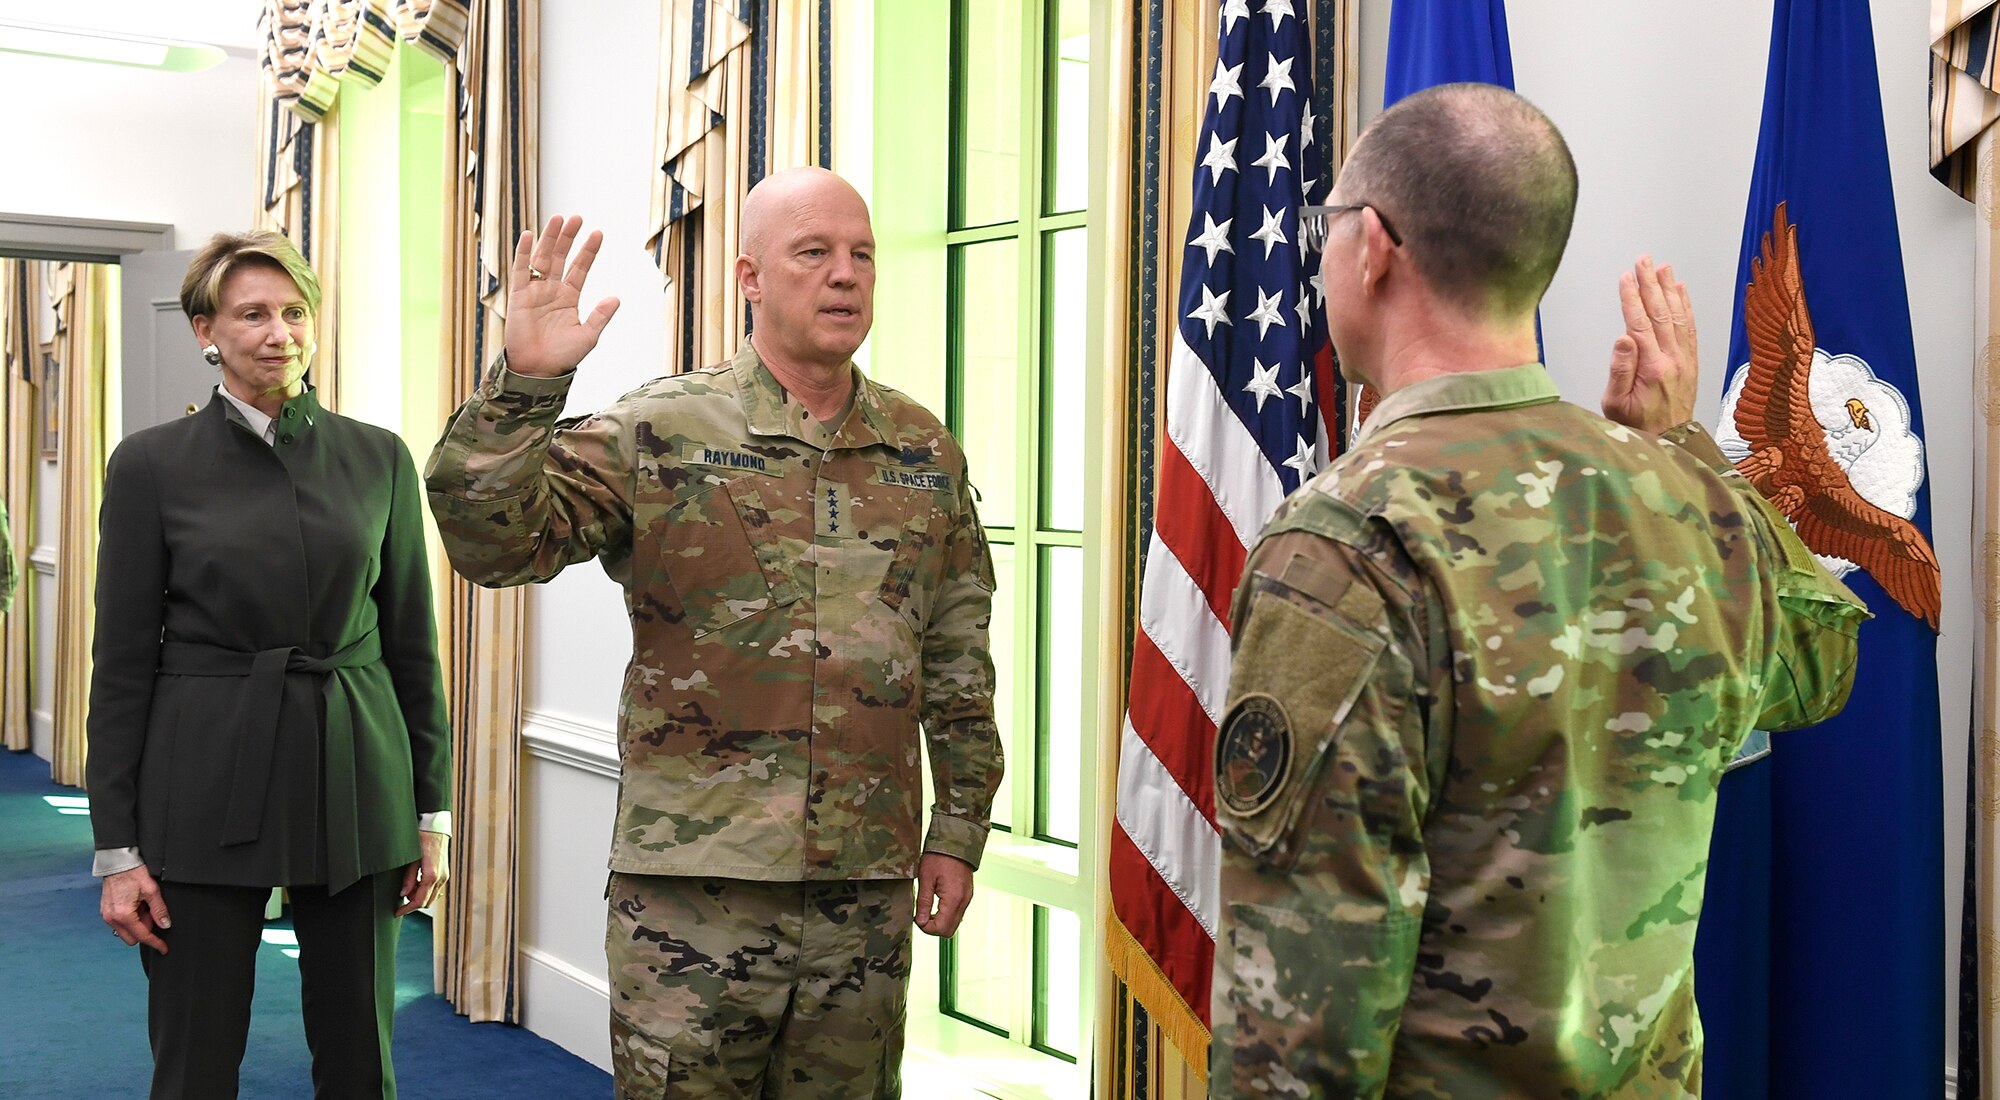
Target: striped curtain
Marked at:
81, 295
310, 48
1157, 1049
745, 90
20, 445
1965, 103
491, 50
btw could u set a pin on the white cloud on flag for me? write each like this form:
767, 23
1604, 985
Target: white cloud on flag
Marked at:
1885, 460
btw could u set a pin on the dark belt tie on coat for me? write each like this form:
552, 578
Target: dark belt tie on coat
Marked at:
257, 736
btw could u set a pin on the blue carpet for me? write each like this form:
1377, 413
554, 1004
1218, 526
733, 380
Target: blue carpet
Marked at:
73, 999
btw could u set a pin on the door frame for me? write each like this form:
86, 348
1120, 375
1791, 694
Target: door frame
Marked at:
92, 240
88, 240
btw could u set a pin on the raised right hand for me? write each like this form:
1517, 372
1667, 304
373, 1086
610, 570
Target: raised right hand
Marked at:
133, 907
546, 336
1656, 365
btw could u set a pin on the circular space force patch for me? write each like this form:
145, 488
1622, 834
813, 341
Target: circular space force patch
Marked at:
1253, 754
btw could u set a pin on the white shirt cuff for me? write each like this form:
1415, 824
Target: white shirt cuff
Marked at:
111, 861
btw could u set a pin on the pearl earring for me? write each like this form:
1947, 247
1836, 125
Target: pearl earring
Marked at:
213, 354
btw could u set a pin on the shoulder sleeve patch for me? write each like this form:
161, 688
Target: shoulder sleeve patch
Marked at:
1253, 754
1296, 675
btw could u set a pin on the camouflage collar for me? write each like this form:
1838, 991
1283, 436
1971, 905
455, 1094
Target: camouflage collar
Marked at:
770, 411
1506, 388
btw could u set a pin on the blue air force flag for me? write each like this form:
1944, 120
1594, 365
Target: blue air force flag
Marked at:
1434, 42
1818, 961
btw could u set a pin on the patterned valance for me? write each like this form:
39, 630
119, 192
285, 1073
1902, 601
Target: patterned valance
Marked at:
312, 47
745, 90
1965, 94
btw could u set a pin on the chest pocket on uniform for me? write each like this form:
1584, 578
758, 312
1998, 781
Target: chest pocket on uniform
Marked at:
1296, 676
722, 565
907, 586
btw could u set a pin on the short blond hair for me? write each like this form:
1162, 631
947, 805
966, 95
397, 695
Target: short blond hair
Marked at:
225, 252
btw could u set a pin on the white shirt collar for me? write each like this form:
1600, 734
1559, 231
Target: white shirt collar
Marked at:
264, 426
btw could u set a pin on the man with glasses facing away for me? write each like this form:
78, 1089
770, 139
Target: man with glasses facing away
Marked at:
1489, 666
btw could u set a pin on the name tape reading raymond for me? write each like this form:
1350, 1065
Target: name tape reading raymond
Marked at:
698, 454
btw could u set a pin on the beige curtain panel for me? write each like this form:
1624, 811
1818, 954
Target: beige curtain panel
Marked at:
20, 445
490, 197
744, 92
1114, 241
1964, 108
1158, 1048
312, 49
81, 296
298, 144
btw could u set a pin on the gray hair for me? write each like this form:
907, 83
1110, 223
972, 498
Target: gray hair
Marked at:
1479, 184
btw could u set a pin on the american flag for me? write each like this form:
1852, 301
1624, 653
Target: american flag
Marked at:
1245, 425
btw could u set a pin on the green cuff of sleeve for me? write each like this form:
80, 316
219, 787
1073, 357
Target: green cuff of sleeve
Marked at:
1695, 440
501, 381
956, 837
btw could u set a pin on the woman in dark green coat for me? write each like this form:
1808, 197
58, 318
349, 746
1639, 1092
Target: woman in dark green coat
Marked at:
266, 707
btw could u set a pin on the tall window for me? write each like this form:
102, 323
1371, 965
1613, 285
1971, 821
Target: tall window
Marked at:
1015, 309
976, 141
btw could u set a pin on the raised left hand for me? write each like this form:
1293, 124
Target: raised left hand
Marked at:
944, 889
423, 879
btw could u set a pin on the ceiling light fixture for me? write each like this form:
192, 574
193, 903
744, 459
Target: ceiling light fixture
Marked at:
72, 44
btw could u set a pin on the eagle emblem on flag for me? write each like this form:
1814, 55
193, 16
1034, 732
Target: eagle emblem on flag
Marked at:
1825, 440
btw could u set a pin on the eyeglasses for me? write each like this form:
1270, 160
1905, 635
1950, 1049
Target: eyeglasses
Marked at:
1314, 221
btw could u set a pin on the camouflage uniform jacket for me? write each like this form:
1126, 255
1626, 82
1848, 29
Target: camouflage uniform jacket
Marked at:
1488, 670
800, 599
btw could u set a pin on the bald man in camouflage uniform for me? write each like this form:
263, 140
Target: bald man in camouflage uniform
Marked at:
807, 582
1489, 667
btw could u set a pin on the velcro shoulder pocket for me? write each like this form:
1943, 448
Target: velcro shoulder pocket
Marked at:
1298, 671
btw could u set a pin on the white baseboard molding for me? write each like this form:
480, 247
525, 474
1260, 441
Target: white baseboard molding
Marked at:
585, 746
566, 1005
43, 560
42, 734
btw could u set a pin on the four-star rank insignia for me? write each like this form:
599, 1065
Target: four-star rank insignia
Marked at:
1253, 755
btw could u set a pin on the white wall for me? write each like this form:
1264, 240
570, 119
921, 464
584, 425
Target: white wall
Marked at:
105, 141
1660, 104
600, 60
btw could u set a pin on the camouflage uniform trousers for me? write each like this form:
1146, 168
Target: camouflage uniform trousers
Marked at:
731, 988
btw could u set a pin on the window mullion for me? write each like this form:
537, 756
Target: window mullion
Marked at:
1027, 459
980, 234
1028, 501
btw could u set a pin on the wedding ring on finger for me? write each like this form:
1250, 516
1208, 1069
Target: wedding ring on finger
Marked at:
534, 274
